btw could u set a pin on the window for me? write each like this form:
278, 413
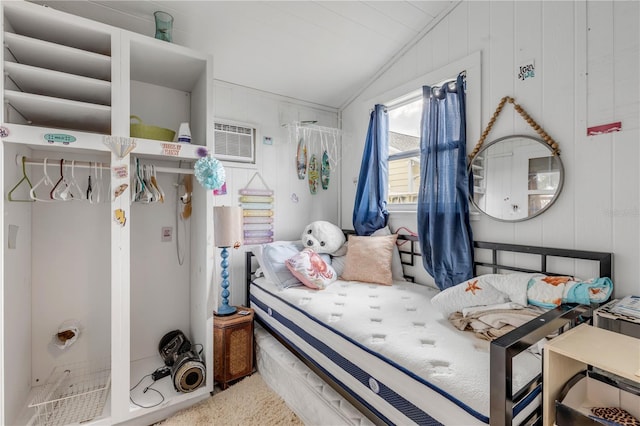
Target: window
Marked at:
404, 106
404, 150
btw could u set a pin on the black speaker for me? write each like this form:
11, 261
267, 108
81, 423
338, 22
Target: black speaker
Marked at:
188, 372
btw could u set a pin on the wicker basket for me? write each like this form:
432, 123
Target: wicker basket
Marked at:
141, 130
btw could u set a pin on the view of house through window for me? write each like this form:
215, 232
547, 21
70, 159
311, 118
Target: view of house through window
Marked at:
404, 151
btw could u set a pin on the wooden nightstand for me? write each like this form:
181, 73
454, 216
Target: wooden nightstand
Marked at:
577, 349
232, 346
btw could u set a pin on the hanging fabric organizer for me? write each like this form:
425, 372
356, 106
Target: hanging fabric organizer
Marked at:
316, 152
257, 212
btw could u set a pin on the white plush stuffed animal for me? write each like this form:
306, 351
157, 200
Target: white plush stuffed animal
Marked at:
324, 237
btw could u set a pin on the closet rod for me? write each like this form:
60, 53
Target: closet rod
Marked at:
174, 170
87, 164
53, 162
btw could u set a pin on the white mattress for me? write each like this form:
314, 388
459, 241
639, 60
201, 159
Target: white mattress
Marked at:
390, 349
314, 401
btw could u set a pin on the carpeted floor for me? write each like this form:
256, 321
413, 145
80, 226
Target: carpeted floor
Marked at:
247, 402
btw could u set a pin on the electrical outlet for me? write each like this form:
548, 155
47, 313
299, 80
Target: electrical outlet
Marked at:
167, 234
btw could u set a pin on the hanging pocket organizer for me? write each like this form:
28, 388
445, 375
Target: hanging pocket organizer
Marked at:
257, 211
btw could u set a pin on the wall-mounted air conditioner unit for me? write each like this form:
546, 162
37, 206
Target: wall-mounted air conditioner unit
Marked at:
234, 142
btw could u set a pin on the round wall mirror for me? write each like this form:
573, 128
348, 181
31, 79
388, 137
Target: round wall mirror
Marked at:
515, 178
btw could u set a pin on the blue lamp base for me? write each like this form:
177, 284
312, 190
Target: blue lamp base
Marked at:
224, 309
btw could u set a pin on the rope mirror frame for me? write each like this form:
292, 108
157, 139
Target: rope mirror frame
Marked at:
544, 135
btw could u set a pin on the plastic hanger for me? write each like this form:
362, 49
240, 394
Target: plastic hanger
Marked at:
45, 181
137, 184
65, 194
53, 190
25, 178
73, 184
61, 192
147, 195
152, 192
156, 185
143, 195
96, 193
89, 186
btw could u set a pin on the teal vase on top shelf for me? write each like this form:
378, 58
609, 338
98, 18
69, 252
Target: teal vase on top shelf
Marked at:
164, 26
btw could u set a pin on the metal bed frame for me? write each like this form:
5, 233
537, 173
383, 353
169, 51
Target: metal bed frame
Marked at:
503, 349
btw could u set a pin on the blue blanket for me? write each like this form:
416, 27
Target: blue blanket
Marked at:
596, 290
549, 292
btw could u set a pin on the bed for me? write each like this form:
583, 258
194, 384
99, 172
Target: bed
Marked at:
386, 351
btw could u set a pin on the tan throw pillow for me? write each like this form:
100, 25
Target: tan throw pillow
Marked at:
368, 259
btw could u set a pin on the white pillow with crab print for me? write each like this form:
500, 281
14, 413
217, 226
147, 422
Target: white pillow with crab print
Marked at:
311, 269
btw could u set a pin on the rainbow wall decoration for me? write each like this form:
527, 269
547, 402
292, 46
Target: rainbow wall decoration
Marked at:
257, 211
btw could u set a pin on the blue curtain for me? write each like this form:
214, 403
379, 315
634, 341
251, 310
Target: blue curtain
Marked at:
443, 201
370, 208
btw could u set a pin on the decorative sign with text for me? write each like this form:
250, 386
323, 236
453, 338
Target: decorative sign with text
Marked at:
120, 171
527, 70
172, 149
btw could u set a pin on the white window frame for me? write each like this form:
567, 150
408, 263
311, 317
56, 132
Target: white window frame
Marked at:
407, 92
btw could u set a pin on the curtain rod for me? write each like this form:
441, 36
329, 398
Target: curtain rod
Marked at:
91, 164
417, 94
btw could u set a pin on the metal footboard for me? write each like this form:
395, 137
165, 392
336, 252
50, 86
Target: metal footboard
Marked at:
505, 348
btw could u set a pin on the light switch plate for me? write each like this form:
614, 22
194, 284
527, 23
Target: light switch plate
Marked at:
167, 234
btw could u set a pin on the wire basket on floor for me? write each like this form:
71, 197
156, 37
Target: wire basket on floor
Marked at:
73, 393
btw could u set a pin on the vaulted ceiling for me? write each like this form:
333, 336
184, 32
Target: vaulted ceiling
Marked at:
324, 52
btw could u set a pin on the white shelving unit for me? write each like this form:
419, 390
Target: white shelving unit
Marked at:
102, 264
580, 347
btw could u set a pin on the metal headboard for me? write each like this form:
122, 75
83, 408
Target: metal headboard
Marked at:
409, 249
604, 259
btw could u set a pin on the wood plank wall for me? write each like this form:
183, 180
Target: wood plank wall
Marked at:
586, 74
276, 164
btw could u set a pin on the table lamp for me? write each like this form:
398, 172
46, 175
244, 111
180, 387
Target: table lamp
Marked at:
227, 223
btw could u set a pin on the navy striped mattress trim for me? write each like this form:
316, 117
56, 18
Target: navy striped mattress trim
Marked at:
342, 362
397, 401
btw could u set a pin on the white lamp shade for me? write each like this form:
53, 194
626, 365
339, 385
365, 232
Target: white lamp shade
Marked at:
227, 225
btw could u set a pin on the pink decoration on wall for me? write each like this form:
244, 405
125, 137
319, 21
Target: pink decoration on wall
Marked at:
222, 190
604, 128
